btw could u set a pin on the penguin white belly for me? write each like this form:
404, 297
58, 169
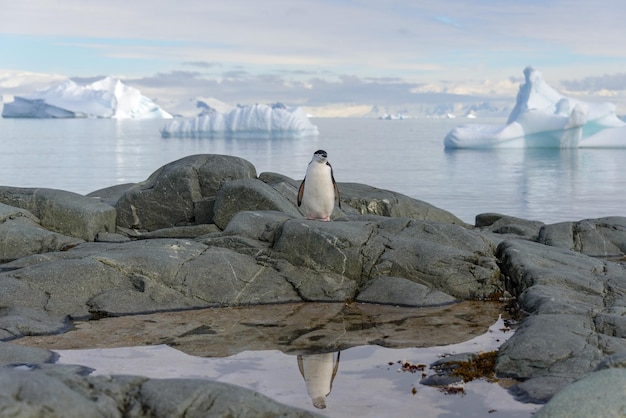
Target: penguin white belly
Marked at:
318, 200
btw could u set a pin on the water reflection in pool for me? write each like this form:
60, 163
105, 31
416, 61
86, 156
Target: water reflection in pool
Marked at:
344, 357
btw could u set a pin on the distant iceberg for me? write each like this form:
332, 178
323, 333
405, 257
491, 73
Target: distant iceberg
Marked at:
543, 118
106, 98
247, 121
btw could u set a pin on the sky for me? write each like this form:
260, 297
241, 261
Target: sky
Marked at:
315, 52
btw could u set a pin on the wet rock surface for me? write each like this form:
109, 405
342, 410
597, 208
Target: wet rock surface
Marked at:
294, 328
205, 231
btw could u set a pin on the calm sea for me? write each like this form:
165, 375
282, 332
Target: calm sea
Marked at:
550, 185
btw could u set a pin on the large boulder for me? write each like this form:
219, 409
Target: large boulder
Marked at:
442, 256
369, 200
603, 237
21, 234
362, 199
64, 212
65, 392
249, 195
180, 193
575, 304
599, 394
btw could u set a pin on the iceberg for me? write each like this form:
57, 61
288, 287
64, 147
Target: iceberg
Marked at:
244, 121
106, 98
543, 118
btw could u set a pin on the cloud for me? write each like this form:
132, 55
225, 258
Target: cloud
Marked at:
342, 51
615, 82
201, 64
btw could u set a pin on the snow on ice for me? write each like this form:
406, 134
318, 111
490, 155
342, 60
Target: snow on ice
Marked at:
106, 98
543, 118
256, 120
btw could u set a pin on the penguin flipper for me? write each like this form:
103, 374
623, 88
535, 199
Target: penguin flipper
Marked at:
301, 192
335, 186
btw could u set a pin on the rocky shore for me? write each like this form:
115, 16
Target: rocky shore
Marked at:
207, 231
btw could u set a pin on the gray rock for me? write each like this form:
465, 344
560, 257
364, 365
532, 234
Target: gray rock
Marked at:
20, 320
506, 227
235, 279
443, 256
192, 231
576, 306
558, 347
57, 392
176, 193
256, 225
612, 361
368, 200
599, 394
21, 234
603, 237
357, 198
384, 247
110, 195
249, 195
12, 355
64, 212
312, 286
110, 237
403, 292
441, 380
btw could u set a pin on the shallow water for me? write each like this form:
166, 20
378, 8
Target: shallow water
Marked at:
368, 383
551, 185
258, 348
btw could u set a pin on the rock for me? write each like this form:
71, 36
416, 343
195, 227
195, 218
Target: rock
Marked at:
403, 292
598, 394
69, 260
368, 200
612, 361
192, 231
176, 194
235, 279
64, 212
507, 227
21, 234
58, 392
110, 195
603, 237
256, 225
19, 320
443, 256
559, 347
249, 195
14, 355
110, 237
576, 305
362, 199
441, 380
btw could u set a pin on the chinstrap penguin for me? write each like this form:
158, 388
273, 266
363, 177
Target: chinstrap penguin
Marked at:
318, 191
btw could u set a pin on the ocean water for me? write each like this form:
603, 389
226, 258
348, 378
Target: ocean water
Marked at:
407, 156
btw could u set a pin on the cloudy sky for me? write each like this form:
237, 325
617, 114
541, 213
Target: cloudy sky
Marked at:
317, 51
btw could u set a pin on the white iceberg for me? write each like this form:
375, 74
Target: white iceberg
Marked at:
106, 98
258, 120
543, 118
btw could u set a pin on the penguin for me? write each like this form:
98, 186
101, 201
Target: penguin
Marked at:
318, 190
319, 371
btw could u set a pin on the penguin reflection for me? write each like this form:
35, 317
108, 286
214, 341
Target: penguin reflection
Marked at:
318, 371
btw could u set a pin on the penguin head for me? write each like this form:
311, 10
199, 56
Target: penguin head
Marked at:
320, 156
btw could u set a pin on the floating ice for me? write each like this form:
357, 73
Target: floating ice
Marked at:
106, 98
248, 121
543, 118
